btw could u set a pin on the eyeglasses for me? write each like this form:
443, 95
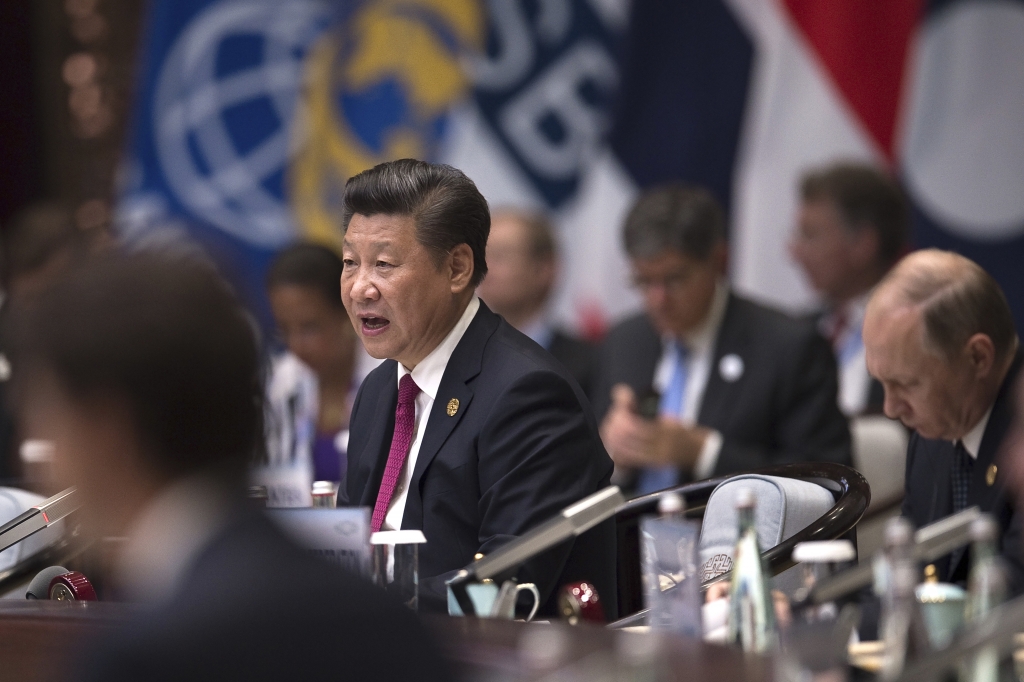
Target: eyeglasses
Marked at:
672, 283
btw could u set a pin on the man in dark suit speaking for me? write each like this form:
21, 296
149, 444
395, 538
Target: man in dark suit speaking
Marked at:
470, 431
737, 386
940, 338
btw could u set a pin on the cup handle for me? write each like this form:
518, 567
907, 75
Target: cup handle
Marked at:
536, 598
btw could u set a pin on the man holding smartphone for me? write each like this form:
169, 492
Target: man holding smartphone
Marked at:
739, 386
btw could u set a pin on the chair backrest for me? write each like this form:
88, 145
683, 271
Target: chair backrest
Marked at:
851, 496
880, 453
785, 506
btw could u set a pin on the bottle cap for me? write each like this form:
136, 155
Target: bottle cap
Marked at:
323, 488
671, 503
745, 498
984, 529
824, 551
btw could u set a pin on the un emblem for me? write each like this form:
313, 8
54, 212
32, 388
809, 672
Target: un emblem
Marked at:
223, 112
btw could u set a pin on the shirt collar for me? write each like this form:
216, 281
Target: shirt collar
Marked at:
168, 536
540, 330
427, 374
972, 441
702, 338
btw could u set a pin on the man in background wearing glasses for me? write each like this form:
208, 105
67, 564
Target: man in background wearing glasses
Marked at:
704, 382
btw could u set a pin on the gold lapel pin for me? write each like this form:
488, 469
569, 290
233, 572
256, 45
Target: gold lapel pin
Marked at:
990, 475
453, 407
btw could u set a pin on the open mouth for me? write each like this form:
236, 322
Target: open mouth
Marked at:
373, 325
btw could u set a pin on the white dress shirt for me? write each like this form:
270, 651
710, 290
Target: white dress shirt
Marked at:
427, 375
854, 380
972, 441
700, 346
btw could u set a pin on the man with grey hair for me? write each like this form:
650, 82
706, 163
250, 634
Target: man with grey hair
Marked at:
940, 337
729, 385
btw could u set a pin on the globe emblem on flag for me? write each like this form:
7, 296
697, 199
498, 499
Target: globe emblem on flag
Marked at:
380, 87
224, 108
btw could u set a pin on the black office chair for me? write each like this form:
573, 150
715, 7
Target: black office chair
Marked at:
850, 490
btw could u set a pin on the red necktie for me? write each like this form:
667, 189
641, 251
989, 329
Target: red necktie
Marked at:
839, 325
405, 421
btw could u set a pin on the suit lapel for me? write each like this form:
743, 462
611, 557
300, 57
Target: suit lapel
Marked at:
464, 365
374, 456
987, 496
719, 394
982, 493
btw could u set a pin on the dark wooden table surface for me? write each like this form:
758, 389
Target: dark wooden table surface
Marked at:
38, 640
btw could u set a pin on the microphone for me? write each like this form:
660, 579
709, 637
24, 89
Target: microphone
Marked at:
39, 588
572, 521
43, 515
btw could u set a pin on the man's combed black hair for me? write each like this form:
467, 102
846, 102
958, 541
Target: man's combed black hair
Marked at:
447, 207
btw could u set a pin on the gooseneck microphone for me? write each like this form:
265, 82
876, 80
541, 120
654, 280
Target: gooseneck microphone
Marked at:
43, 515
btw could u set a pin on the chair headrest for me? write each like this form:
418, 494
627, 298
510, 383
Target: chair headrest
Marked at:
785, 506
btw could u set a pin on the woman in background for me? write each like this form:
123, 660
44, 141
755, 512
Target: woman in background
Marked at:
311, 385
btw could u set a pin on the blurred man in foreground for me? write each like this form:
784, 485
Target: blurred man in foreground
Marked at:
739, 386
522, 266
470, 431
852, 228
940, 338
145, 375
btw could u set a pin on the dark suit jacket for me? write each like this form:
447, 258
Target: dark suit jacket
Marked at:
254, 607
781, 409
579, 357
929, 491
522, 446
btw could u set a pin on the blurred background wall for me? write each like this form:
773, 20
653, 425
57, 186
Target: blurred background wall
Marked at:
232, 124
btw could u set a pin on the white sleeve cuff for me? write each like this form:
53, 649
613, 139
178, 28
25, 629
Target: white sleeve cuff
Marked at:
708, 458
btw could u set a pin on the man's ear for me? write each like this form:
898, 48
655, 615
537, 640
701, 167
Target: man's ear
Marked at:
460, 267
982, 354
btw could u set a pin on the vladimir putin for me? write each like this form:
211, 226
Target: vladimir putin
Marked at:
940, 338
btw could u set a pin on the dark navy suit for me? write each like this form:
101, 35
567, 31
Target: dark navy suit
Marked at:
929, 491
782, 408
254, 607
522, 446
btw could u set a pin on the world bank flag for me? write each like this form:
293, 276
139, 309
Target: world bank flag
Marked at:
252, 114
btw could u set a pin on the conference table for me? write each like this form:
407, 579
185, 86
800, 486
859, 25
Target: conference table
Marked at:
38, 640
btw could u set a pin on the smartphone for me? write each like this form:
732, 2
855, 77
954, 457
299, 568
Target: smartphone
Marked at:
648, 403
